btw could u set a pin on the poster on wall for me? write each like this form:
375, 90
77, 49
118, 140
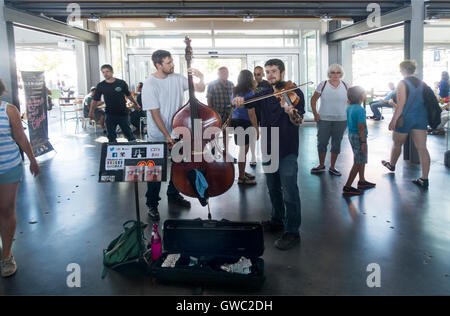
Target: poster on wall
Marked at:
133, 162
36, 104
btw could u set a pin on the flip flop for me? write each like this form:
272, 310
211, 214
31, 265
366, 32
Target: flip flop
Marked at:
249, 176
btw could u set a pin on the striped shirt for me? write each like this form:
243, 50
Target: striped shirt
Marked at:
9, 151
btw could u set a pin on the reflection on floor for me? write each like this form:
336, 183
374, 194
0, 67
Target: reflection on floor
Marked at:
65, 216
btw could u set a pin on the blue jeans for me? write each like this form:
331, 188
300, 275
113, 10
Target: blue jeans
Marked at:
123, 121
153, 189
375, 105
284, 194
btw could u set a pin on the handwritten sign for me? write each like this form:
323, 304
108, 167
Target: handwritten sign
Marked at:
36, 105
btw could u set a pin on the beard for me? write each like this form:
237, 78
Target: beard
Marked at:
170, 71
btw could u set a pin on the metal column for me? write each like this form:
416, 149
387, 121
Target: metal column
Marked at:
413, 49
8, 70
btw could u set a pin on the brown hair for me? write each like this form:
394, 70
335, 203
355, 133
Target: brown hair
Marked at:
2, 87
409, 66
355, 95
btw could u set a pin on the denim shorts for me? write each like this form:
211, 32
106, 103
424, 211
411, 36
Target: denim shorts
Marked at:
358, 156
12, 176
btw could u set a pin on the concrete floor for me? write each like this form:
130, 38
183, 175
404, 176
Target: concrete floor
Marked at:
65, 216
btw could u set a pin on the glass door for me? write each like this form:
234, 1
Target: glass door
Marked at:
310, 44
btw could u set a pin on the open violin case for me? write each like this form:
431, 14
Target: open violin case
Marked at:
207, 248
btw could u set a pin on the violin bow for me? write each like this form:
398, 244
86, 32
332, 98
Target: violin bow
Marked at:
265, 97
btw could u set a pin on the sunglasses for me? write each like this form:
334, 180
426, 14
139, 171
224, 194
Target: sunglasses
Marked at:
335, 73
257, 75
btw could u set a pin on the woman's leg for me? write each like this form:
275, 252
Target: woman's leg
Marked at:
420, 140
8, 219
253, 150
243, 150
323, 137
398, 141
337, 133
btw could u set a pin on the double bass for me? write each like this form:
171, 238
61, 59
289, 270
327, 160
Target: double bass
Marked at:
217, 168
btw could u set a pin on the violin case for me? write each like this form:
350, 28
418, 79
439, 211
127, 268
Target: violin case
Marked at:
211, 244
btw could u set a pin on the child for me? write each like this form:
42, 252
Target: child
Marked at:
357, 134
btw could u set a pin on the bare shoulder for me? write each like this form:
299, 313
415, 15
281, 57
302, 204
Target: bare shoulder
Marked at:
12, 112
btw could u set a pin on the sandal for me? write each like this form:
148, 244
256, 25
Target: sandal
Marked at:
249, 176
246, 181
388, 165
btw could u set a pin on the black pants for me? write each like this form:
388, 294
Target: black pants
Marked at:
123, 121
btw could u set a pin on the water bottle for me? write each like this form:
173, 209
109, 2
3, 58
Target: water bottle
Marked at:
156, 243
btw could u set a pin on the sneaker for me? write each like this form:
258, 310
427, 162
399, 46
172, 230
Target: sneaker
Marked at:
153, 213
365, 185
421, 182
180, 201
334, 172
388, 165
253, 164
273, 227
8, 267
377, 118
351, 191
318, 170
287, 241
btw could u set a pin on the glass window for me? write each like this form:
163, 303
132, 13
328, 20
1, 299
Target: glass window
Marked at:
116, 54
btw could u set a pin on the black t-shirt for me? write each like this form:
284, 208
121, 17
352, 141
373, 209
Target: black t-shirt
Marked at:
114, 95
263, 85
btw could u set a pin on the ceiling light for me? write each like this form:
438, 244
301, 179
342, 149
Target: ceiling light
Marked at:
93, 18
325, 18
432, 19
171, 18
116, 24
148, 24
248, 18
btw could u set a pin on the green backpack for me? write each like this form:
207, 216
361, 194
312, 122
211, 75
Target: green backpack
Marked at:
125, 247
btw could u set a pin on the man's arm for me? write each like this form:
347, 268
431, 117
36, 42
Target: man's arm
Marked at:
156, 115
136, 105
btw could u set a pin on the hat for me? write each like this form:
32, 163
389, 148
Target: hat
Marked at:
92, 88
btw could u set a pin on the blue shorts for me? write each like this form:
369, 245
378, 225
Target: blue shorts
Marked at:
358, 156
12, 176
413, 122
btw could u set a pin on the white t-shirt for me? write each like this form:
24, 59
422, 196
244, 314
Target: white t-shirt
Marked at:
333, 102
167, 95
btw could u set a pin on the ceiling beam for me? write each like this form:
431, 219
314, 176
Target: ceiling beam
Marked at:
25, 19
282, 8
388, 20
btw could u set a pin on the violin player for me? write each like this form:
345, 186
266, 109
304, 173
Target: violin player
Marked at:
282, 184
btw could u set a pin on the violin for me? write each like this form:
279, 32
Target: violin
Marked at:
284, 92
218, 170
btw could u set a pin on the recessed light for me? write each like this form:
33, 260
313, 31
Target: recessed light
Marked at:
171, 18
115, 24
148, 24
248, 18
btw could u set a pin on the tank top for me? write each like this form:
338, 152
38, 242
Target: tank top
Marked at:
9, 151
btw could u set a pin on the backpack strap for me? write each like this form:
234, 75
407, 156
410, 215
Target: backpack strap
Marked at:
345, 85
